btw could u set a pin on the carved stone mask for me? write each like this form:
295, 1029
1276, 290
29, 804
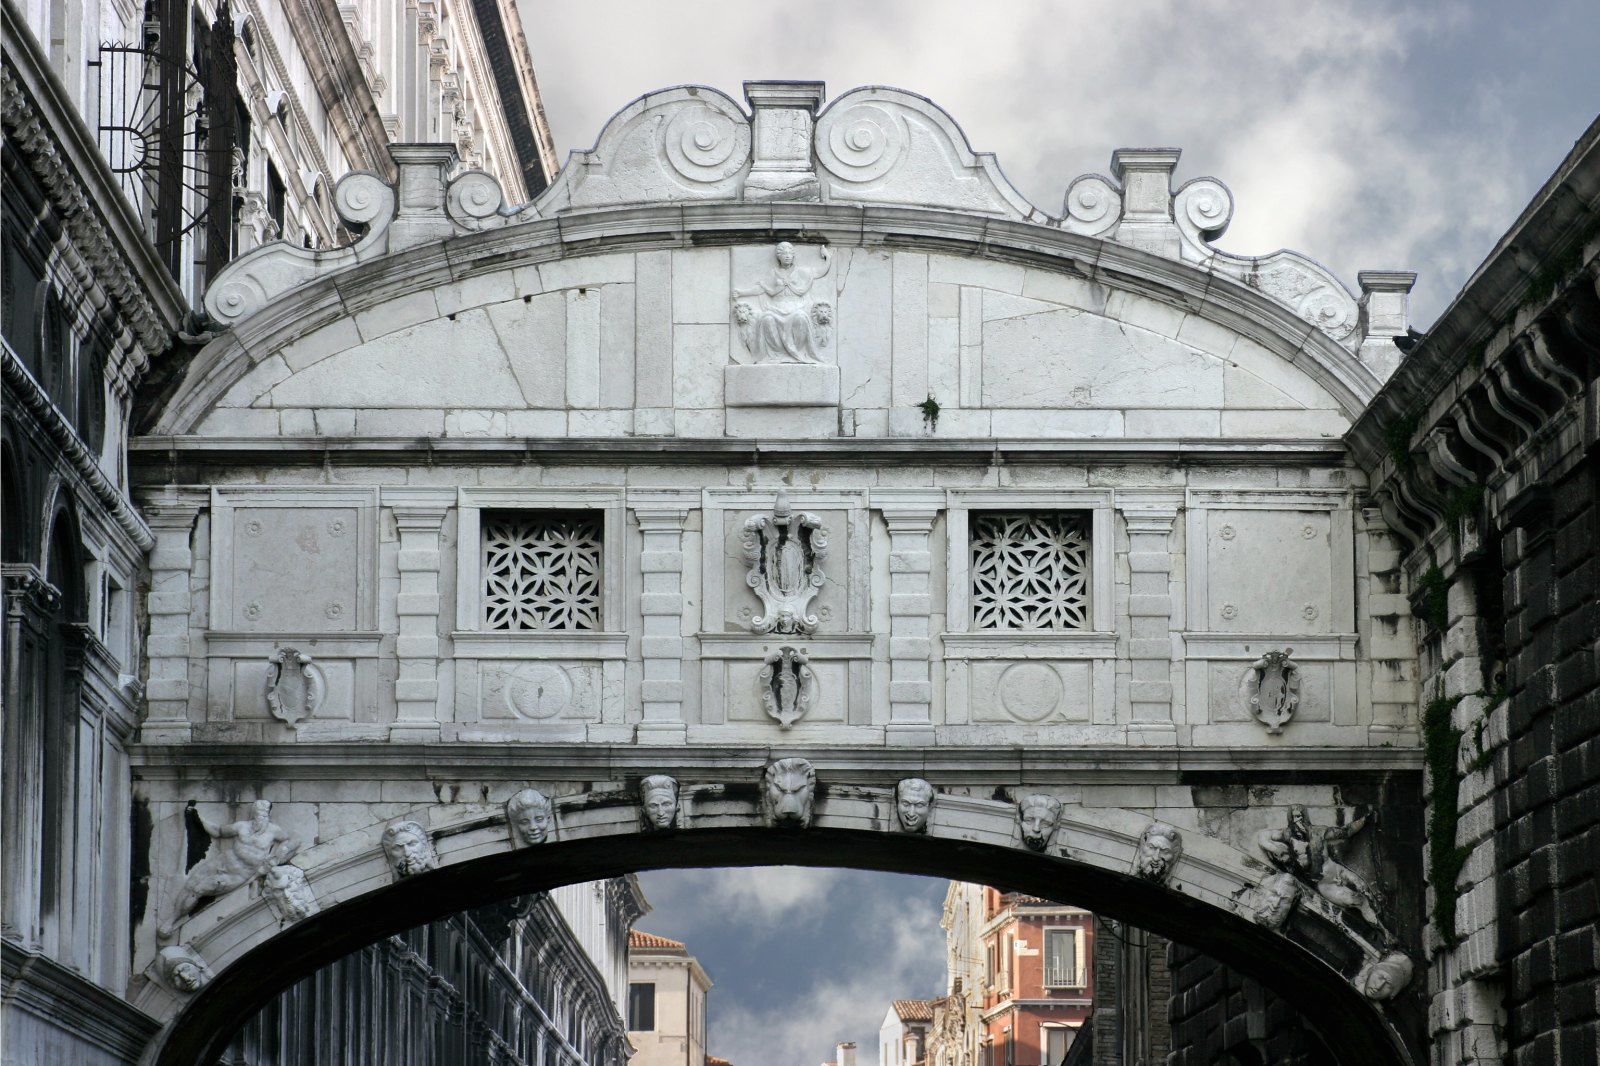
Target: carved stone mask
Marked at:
181, 969
789, 787
913, 803
408, 848
1277, 896
1160, 848
658, 798
530, 816
1385, 978
1039, 815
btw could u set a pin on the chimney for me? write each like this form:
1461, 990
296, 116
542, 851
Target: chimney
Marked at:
845, 1054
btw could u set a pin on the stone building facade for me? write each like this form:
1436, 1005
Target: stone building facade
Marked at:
520, 983
666, 1010
1482, 449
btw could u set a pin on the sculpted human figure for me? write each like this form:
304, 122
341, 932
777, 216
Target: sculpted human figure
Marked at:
240, 852
1039, 815
1308, 851
181, 969
1160, 848
658, 802
788, 788
530, 816
289, 893
784, 323
1384, 978
408, 848
913, 804
1275, 899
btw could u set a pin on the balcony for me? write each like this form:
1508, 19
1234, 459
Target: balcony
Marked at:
1057, 975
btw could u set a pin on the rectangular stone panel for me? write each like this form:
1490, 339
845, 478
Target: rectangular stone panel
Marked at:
295, 569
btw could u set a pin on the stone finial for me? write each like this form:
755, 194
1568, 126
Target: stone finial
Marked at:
1385, 315
785, 117
424, 172
1146, 178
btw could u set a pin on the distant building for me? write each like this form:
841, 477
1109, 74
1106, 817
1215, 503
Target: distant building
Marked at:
1028, 961
843, 1055
666, 1002
903, 1037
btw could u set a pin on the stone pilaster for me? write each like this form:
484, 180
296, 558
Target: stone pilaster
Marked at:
662, 518
419, 520
1149, 522
169, 604
910, 517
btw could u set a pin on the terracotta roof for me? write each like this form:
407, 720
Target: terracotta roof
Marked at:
713, 1060
914, 1010
640, 939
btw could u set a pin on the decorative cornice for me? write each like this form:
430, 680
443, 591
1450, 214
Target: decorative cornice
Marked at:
37, 403
47, 131
41, 986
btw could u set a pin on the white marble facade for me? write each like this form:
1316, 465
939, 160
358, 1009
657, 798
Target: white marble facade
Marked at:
509, 475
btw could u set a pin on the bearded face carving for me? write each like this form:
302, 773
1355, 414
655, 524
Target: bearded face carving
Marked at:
1038, 815
913, 804
1160, 848
289, 894
408, 848
788, 789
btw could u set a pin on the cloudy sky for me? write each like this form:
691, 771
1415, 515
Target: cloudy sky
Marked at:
1367, 133
802, 959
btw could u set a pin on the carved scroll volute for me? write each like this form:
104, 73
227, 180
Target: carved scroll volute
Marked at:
294, 686
788, 686
1271, 689
785, 551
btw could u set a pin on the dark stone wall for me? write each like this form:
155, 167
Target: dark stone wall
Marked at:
1547, 807
1220, 1018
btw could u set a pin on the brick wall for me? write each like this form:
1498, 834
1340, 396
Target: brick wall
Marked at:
1547, 808
1221, 1017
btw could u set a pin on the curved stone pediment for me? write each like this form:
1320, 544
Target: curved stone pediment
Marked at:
873, 149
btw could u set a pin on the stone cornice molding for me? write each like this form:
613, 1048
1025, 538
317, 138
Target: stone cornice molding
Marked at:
884, 766
47, 131
275, 292
160, 460
39, 985
37, 403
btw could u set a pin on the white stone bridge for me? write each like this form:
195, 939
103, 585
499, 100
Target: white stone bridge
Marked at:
788, 433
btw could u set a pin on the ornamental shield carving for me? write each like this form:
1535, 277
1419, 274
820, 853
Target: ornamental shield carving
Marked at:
1271, 689
788, 687
294, 686
785, 550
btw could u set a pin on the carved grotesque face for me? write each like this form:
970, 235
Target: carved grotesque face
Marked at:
785, 254
913, 802
659, 800
1159, 850
1385, 978
822, 314
1279, 893
186, 976
530, 817
408, 849
790, 785
1038, 815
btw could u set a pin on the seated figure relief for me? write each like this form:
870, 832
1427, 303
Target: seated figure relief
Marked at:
779, 320
1310, 852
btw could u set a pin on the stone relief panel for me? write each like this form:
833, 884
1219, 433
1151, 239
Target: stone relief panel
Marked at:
1026, 691
1270, 572
784, 315
538, 691
766, 568
1232, 685
294, 570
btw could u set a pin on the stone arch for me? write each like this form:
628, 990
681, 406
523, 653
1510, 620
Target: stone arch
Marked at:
1206, 901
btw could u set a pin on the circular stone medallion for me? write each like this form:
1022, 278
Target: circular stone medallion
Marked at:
538, 690
1030, 692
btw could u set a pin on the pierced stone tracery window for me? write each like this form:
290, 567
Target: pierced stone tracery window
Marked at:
541, 570
1030, 570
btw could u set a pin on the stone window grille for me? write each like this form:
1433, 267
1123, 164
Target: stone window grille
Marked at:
541, 570
1031, 570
